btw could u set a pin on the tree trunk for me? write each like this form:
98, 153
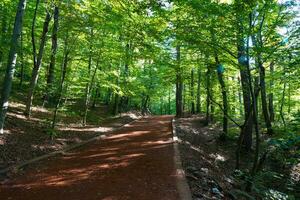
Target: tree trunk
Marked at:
161, 106
220, 71
88, 94
51, 71
183, 98
240, 97
271, 104
179, 86
61, 86
97, 93
88, 88
246, 133
116, 104
169, 102
192, 92
198, 104
262, 84
115, 109
208, 94
283, 98
11, 63
145, 105
224, 97
264, 99
37, 59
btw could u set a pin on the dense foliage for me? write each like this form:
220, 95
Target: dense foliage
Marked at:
237, 62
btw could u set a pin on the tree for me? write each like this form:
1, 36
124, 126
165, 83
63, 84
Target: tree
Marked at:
51, 71
37, 58
11, 63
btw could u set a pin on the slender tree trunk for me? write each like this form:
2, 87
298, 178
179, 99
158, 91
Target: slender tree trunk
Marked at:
212, 106
115, 109
11, 63
37, 59
220, 71
125, 99
224, 97
283, 99
289, 96
192, 92
233, 109
116, 104
88, 94
262, 83
264, 100
208, 94
179, 86
161, 106
256, 90
145, 105
61, 86
240, 97
95, 97
271, 104
169, 102
51, 71
183, 98
88, 85
108, 97
198, 104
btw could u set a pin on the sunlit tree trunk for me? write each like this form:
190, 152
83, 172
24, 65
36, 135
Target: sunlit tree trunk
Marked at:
37, 58
88, 94
116, 99
11, 63
91, 77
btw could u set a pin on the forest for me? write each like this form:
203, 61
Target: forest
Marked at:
226, 71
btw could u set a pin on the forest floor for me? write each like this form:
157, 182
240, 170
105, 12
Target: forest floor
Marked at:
27, 138
209, 163
135, 162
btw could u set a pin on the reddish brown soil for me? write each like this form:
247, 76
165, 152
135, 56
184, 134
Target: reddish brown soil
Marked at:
136, 163
25, 139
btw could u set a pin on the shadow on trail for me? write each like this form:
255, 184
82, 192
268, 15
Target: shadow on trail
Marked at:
133, 163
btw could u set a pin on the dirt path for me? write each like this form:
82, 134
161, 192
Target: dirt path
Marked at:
135, 163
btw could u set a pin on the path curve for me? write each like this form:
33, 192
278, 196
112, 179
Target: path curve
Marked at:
135, 163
